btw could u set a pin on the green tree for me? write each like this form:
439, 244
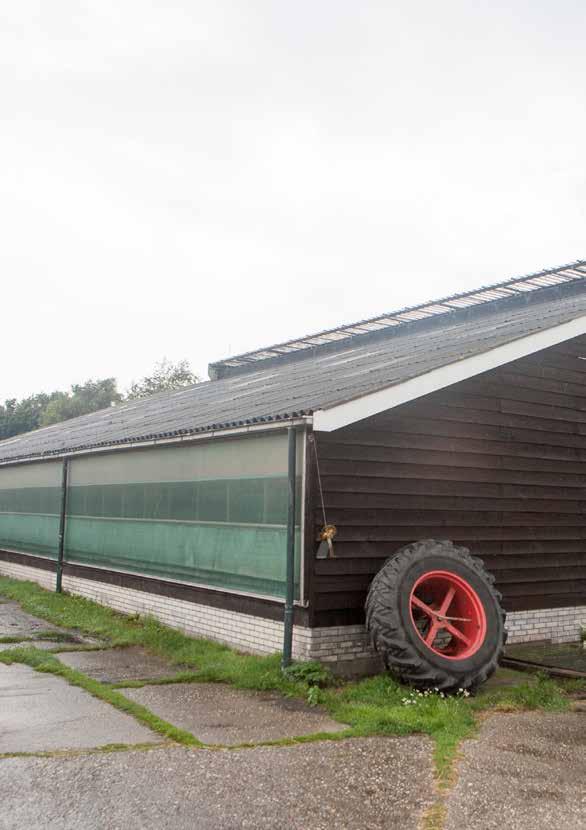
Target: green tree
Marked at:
44, 409
17, 417
166, 377
83, 399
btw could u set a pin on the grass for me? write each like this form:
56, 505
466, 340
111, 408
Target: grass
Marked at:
58, 636
214, 662
105, 749
381, 706
434, 818
180, 677
372, 706
540, 692
574, 687
48, 634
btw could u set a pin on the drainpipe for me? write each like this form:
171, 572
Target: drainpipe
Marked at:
62, 516
290, 573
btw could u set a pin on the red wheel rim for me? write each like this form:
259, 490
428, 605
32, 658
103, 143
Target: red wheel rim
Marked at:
447, 614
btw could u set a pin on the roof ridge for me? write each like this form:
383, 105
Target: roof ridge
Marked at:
485, 294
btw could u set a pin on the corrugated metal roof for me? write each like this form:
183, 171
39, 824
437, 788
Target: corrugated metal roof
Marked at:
320, 378
485, 294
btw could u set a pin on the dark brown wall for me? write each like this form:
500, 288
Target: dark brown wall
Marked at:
497, 463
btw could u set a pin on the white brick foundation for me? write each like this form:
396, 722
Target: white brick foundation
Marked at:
45, 579
343, 648
560, 625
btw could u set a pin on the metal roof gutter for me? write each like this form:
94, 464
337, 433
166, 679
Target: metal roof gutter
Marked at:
176, 440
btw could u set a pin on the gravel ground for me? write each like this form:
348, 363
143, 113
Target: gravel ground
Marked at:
524, 772
360, 783
219, 714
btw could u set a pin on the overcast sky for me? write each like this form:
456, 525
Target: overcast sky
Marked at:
194, 179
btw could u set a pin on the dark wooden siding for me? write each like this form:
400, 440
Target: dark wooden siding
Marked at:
496, 463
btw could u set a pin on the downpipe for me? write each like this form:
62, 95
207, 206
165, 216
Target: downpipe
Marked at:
62, 518
290, 551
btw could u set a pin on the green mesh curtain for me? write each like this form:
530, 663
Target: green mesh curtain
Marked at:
213, 514
30, 500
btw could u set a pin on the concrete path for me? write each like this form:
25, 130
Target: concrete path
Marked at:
14, 622
41, 712
219, 714
523, 772
116, 665
369, 783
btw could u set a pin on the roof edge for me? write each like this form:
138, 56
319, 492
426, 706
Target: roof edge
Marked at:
176, 439
357, 409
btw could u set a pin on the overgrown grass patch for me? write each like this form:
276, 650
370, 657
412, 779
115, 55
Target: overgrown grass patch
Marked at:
539, 692
213, 662
72, 612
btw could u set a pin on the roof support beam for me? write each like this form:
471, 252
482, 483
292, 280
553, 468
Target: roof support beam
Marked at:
327, 420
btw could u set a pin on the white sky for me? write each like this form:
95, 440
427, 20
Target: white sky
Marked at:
194, 179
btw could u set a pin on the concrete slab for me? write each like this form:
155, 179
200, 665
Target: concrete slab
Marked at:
523, 771
369, 783
14, 622
118, 664
42, 712
218, 714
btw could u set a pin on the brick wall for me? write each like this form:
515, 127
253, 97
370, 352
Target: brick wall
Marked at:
345, 649
46, 579
560, 625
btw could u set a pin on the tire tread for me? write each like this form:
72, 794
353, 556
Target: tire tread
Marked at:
387, 632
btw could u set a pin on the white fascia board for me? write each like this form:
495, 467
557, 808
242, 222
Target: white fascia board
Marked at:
327, 420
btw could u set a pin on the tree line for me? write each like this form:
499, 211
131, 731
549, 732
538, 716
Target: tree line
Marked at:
44, 409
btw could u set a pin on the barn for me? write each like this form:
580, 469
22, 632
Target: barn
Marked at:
275, 491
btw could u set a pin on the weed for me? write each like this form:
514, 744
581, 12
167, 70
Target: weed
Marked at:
434, 818
311, 672
96, 750
313, 696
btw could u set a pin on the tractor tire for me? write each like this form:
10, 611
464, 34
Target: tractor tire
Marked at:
435, 618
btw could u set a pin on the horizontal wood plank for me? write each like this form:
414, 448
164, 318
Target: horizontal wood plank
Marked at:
496, 463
